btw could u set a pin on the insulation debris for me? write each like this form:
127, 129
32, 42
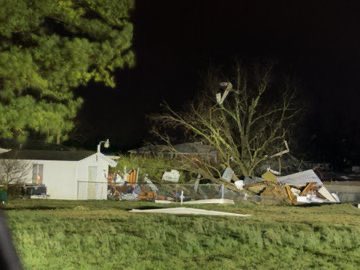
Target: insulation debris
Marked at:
187, 211
269, 176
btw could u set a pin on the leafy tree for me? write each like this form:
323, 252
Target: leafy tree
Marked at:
50, 47
246, 124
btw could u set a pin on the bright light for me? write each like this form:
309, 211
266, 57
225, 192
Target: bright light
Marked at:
106, 145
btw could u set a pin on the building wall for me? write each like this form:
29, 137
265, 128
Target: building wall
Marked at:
96, 188
58, 176
94, 161
69, 180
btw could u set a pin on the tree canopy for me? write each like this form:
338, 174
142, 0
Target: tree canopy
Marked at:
247, 123
49, 48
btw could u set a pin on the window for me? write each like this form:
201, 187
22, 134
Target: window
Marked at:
37, 175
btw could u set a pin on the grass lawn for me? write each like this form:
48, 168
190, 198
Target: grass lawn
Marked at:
103, 235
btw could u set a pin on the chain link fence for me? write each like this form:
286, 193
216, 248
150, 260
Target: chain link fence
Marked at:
173, 192
91, 190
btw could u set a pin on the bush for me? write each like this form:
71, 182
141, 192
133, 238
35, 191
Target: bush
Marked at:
15, 191
154, 167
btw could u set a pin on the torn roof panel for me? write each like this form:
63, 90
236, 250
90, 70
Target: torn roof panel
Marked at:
300, 178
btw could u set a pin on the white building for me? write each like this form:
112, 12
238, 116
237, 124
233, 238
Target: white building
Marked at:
67, 175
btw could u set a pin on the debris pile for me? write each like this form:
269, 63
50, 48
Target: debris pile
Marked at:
299, 188
165, 191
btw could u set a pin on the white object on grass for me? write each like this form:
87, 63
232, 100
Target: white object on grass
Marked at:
172, 176
187, 211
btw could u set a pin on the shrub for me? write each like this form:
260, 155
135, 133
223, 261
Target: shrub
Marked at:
154, 167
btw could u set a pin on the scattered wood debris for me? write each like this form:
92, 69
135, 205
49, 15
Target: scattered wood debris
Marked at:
299, 188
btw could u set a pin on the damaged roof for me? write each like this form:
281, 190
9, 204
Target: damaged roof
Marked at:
194, 147
189, 147
300, 178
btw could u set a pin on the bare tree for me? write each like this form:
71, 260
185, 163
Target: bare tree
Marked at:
13, 171
246, 123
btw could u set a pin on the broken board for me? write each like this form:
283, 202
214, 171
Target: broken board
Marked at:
186, 211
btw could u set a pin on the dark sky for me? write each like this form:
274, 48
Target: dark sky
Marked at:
316, 41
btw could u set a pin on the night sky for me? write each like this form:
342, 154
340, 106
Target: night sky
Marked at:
175, 41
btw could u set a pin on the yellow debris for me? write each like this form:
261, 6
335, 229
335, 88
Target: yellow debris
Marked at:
269, 176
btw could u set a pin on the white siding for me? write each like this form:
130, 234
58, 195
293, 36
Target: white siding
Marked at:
96, 161
96, 188
69, 180
58, 177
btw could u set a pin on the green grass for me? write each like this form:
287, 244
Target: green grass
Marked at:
104, 235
